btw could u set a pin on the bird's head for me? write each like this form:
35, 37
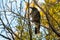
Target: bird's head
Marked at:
33, 8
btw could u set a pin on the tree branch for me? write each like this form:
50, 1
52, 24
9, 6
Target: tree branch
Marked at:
29, 24
5, 37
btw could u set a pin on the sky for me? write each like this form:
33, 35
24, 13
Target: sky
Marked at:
9, 17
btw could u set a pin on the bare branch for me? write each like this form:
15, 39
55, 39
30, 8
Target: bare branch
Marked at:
5, 37
29, 24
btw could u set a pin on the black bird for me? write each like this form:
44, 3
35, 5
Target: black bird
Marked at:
35, 19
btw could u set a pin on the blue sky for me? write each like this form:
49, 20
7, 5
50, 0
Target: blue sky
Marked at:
14, 23
9, 18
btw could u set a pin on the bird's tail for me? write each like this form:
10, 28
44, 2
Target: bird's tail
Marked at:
37, 29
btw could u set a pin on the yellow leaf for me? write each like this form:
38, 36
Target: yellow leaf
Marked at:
50, 1
32, 4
